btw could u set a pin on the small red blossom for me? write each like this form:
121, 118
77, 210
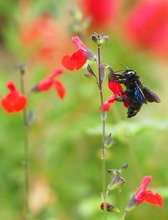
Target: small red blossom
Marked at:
14, 101
48, 82
106, 106
143, 195
77, 59
147, 25
102, 12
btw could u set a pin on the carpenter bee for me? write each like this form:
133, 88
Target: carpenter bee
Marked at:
136, 93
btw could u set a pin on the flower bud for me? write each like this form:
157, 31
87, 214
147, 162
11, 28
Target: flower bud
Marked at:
108, 143
116, 182
99, 39
21, 67
90, 74
110, 208
123, 167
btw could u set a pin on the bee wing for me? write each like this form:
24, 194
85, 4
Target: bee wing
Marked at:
150, 96
140, 95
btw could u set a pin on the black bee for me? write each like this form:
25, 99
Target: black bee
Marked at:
136, 93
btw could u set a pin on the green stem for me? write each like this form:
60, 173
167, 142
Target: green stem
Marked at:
26, 150
124, 216
103, 136
121, 201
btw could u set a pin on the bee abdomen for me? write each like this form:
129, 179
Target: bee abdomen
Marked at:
134, 108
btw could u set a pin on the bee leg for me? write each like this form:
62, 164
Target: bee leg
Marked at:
122, 81
122, 99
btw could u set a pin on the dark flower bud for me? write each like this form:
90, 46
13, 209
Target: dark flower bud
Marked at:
95, 37
113, 171
116, 182
108, 142
99, 39
21, 67
90, 74
110, 208
123, 167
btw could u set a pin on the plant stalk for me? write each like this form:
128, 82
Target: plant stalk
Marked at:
103, 118
26, 150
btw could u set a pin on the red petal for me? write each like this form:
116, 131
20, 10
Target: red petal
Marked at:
76, 40
127, 103
115, 87
112, 98
106, 106
79, 57
45, 85
76, 61
68, 63
11, 85
146, 180
154, 199
57, 72
60, 89
7, 106
21, 103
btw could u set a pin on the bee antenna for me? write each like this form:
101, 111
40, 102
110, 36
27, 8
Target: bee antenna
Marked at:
124, 65
121, 69
118, 71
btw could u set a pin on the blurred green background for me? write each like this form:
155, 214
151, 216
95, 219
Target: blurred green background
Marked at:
65, 136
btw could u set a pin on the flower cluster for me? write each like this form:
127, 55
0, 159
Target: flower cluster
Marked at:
141, 195
15, 101
79, 58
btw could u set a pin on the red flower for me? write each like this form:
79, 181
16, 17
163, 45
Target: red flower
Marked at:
117, 89
44, 40
147, 25
77, 59
143, 195
14, 101
48, 82
102, 12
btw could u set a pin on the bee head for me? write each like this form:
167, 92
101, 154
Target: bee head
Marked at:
128, 74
